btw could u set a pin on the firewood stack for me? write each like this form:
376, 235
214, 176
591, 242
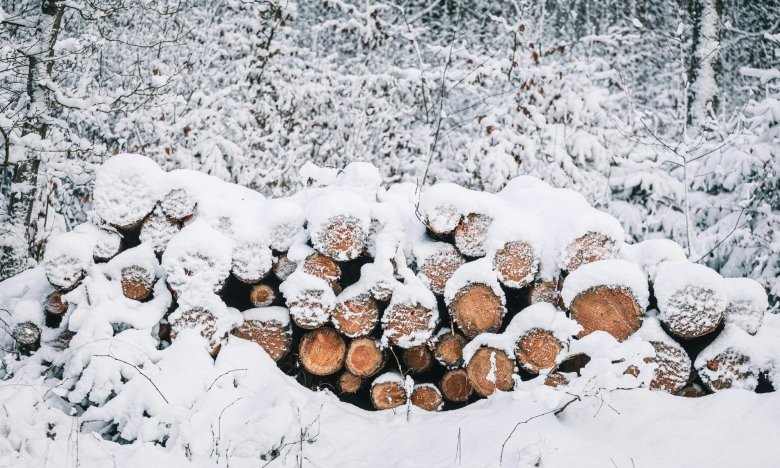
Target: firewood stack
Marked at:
390, 299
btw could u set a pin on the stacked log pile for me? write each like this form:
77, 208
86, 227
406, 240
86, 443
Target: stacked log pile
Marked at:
390, 299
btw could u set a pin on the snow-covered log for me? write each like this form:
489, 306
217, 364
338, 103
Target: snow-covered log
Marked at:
489, 369
27, 336
447, 347
411, 317
270, 328
283, 267
747, 303
475, 299
548, 291
262, 295
608, 295
322, 267
365, 357
436, 263
126, 190
388, 391
691, 298
322, 351
516, 264
178, 205
157, 230
471, 234
427, 397
356, 313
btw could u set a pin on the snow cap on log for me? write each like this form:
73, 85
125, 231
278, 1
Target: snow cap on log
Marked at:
178, 204
252, 261
729, 361
617, 273
67, 258
126, 189
283, 220
204, 312
747, 303
427, 397
650, 253
691, 298
443, 206
356, 313
540, 333
197, 258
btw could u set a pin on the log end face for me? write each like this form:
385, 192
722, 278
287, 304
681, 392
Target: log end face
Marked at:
610, 309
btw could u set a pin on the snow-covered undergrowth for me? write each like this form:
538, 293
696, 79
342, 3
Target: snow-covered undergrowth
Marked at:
106, 388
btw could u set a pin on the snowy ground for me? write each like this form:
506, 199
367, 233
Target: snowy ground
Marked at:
242, 408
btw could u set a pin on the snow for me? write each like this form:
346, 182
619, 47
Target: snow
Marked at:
197, 258
140, 256
615, 273
747, 302
27, 311
650, 253
389, 377
126, 189
542, 316
268, 314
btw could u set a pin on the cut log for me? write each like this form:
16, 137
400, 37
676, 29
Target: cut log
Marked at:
322, 351
107, 245
728, 369
455, 386
269, 328
202, 320
516, 264
674, 367
611, 309
137, 282
490, 369
340, 237
477, 309
323, 267
55, 305
436, 268
448, 348
178, 205
364, 357
349, 382
747, 303
27, 336
427, 397
388, 392
355, 316
471, 233
548, 291
126, 190
407, 325
537, 350
418, 359
157, 230
555, 380
199, 258
252, 261
283, 267
589, 248
262, 295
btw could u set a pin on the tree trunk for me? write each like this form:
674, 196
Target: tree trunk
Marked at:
612, 310
704, 65
477, 309
15, 250
322, 351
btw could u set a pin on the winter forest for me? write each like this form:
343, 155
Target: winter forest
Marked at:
645, 121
